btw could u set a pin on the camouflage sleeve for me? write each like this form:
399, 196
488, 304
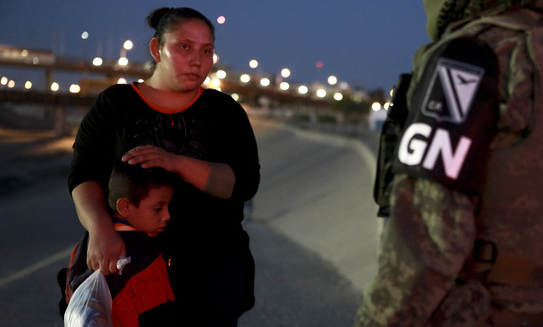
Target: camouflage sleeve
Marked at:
423, 247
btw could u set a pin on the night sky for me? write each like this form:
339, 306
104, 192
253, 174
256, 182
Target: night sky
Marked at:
366, 43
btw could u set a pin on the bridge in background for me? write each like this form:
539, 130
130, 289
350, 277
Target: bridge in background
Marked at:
111, 71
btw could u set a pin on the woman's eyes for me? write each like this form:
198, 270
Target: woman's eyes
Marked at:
187, 47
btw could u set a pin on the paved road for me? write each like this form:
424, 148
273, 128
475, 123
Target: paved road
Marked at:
312, 231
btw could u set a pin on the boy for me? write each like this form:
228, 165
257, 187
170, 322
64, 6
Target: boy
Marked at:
138, 200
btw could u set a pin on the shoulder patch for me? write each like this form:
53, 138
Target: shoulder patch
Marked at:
452, 116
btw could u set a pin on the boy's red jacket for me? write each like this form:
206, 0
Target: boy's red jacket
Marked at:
142, 293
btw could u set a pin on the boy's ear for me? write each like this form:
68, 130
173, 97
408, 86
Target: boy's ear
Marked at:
123, 206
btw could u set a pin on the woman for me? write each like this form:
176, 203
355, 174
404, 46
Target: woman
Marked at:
204, 137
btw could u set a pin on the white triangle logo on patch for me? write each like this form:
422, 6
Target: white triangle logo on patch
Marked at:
458, 87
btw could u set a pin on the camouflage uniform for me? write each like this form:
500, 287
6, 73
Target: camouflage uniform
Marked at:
449, 259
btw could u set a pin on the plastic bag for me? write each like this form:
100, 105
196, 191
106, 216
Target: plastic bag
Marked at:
90, 305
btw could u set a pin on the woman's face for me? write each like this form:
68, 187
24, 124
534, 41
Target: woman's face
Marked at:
186, 56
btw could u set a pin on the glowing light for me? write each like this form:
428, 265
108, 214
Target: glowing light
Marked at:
338, 96
216, 82
141, 80
55, 87
235, 96
123, 61
207, 81
85, 35
319, 64
332, 80
11, 84
4, 80
121, 81
128, 45
284, 86
376, 106
253, 63
74, 88
321, 93
24, 53
303, 89
386, 105
221, 74
221, 20
245, 78
97, 61
285, 72
216, 58
35, 60
265, 82
28, 85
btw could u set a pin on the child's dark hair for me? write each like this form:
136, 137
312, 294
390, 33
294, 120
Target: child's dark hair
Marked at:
164, 19
134, 183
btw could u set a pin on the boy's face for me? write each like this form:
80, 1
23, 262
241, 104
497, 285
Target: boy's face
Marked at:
152, 213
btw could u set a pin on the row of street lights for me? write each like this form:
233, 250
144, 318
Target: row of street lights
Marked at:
320, 91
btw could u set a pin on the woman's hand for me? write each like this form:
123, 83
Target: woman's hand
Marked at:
104, 251
151, 156
214, 178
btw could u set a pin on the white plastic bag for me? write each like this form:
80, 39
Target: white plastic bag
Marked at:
90, 305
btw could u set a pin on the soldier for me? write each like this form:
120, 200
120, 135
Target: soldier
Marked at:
463, 244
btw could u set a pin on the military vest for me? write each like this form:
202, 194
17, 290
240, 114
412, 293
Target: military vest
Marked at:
509, 246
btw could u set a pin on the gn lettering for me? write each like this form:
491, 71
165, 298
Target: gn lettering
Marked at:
416, 140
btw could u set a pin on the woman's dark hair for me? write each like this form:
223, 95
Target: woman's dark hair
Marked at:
134, 183
163, 20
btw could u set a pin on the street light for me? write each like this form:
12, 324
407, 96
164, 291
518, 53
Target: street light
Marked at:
123, 61
303, 89
265, 82
74, 88
128, 45
97, 61
321, 93
221, 74
285, 72
245, 78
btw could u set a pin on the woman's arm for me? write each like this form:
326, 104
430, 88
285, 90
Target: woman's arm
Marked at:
216, 179
105, 244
